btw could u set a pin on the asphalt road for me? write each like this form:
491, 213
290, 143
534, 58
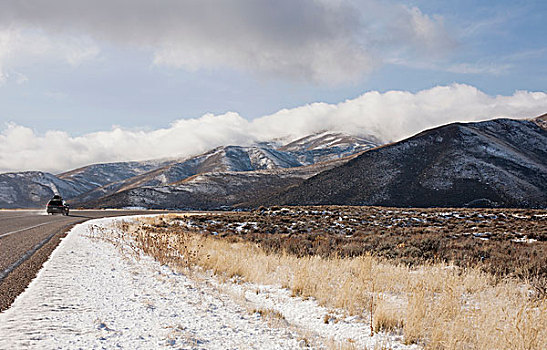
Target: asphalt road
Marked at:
27, 238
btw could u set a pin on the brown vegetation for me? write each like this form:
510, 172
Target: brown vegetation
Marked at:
504, 242
434, 304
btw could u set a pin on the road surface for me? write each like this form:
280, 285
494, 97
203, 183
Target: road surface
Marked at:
27, 237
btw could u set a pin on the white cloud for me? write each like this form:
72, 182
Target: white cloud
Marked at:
6, 44
320, 41
20, 78
429, 31
24, 46
390, 116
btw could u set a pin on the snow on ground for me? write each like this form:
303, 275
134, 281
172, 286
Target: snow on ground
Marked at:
89, 294
315, 321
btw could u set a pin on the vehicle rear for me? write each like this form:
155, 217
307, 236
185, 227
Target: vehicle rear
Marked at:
57, 206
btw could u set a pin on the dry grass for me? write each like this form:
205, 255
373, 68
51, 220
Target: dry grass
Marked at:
273, 317
439, 306
349, 344
503, 242
387, 315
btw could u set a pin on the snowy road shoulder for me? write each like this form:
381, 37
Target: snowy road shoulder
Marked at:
90, 295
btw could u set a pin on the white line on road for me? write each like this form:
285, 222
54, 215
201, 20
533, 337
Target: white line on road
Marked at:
13, 217
24, 229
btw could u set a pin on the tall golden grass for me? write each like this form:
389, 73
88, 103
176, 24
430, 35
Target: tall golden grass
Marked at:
438, 306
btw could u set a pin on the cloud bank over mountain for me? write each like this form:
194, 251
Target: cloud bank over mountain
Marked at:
390, 116
318, 41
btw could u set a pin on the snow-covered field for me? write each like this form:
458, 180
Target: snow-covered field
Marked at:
89, 294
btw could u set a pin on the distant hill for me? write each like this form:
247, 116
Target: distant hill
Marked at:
89, 185
497, 163
228, 159
213, 190
96, 175
221, 159
31, 189
327, 146
541, 121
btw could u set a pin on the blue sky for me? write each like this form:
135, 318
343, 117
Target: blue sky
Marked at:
83, 67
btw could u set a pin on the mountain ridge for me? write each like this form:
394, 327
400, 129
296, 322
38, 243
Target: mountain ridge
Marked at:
501, 162
89, 183
214, 190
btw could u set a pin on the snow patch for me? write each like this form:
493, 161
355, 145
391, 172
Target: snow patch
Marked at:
90, 295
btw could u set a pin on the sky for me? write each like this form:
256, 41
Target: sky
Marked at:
113, 80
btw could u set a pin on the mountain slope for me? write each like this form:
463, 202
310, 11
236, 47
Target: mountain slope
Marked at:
541, 121
326, 146
31, 189
93, 182
96, 175
494, 163
213, 190
221, 159
239, 159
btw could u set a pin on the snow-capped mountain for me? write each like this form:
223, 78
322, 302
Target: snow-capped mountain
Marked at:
541, 121
96, 175
499, 162
238, 159
31, 189
93, 182
213, 190
495, 163
221, 159
327, 146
